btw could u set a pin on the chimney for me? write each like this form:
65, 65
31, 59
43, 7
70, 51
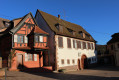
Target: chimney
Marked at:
58, 16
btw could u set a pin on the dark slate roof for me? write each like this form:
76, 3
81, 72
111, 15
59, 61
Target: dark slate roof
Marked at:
115, 38
2, 23
52, 21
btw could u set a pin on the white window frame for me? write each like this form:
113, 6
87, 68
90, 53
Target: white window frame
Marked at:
15, 38
25, 39
26, 57
35, 57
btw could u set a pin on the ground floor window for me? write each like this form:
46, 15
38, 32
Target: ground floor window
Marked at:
30, 57
73, 61
62, 61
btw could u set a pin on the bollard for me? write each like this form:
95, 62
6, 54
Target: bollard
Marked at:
5, 73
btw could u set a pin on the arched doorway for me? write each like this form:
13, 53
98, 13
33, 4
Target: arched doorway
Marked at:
84, 62
79, 67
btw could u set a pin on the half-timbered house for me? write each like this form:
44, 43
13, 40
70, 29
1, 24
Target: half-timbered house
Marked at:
26, 43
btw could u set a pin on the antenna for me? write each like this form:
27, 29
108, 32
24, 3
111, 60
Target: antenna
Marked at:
64, 16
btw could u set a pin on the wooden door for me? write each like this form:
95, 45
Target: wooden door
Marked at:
79, 64
20, 61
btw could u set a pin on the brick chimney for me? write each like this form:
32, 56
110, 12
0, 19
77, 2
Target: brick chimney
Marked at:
58, 16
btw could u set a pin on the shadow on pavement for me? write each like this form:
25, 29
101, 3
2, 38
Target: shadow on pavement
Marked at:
66, 76
105, 68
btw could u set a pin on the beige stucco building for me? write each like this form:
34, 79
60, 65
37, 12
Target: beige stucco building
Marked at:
71, 47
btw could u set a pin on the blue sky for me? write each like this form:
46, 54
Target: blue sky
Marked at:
99, 17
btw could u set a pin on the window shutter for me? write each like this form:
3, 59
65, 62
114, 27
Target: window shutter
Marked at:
78, 45
41, 38
15, 38
35, 57
25, 39
73, 43
26, 57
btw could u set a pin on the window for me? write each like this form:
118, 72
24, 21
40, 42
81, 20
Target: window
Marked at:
35, 57
88, 36
60, 41
59, 27
92, 45
36, 38
73, 61
112, 47
71, 31
68, 61
89, 47
30, 57
68, 43
84, 45
74, 44
118, 45
62, 61
20, 39
81, 33
78, 44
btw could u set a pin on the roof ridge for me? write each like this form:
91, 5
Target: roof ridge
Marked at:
60, 19
51, 20
4, 19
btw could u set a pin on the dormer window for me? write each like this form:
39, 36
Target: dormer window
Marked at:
88, 36
7, 24
71, 31
82, 34
59, 27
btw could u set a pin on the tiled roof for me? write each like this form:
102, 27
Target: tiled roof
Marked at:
52, 21
2, 24
115, 38
38, 30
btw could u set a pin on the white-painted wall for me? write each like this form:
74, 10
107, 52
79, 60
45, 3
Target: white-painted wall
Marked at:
72, 53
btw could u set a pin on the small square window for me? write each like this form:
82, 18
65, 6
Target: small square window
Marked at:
73, 61
62, 61
30, 57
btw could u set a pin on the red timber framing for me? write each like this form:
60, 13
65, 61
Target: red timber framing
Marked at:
30, 45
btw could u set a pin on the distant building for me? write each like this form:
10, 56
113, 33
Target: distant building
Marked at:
101, 50
113, 48
71, 47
